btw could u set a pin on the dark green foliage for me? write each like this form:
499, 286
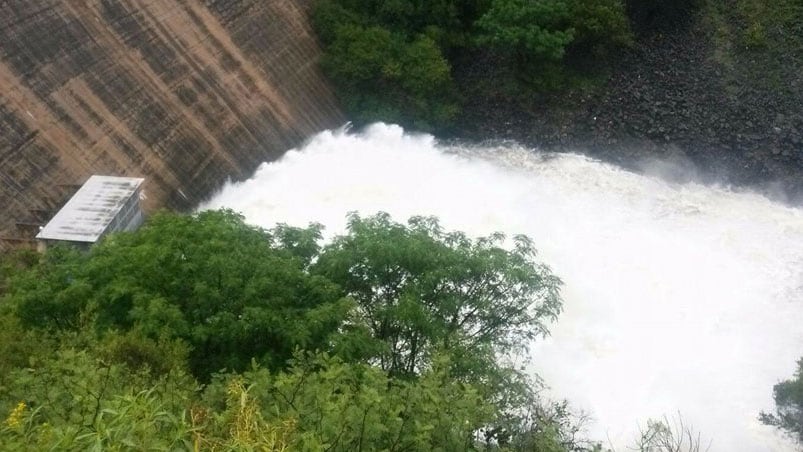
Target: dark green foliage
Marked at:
453, 18
329, 15
775, 28
600, 26
420, 290
52, 294
12, 263
392, 60
546, 35
18, 344
788, 414
383, 75
386, 59
301, 243
230, 291
535, 31
97, 348
137, 352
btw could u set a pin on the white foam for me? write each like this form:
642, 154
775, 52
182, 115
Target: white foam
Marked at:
677, 297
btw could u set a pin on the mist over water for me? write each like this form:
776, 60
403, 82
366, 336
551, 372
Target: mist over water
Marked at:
677, 298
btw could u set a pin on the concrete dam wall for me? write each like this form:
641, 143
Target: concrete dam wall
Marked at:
186, 93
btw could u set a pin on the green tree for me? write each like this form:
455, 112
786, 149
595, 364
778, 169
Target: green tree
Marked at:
420, 289
535, 31
13, 262
382, 75
788, 414
451, 20
232, 292
600, 26
329, 15
51, 295
393, 60
420, 322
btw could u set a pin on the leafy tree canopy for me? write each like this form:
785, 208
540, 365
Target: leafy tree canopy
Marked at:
385, 74
600, 26
788, 414
397, 334
650, 16
534, 30
420, 289
231, 291
393, 60
385, 293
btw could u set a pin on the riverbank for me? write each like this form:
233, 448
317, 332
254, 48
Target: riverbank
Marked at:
689, 97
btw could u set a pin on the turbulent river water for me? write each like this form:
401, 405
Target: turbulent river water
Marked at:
678, 298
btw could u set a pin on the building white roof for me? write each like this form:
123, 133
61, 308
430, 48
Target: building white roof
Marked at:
88, 213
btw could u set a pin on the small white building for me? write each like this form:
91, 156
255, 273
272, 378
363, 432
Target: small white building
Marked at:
104, 204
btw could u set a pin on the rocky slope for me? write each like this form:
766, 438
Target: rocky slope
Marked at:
686, 96
185, 93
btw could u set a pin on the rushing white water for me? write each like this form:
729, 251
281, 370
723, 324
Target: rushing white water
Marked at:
678, 298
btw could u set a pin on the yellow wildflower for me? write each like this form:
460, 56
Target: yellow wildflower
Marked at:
14, 420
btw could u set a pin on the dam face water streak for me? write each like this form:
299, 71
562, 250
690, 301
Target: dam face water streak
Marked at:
678, 298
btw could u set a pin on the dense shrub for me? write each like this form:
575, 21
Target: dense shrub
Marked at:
533, 31
788, 414
381, 74
392, 60
232, 292
397, 334
600, 27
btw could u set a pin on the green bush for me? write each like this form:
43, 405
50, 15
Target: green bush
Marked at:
788, 415
228, 290
392, 60
105, 349
328, 16
600, 26
382, 75
533, 31
544, 36
420, 290
345, 407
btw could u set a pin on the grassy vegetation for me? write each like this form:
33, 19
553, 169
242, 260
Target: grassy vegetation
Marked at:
755, 41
